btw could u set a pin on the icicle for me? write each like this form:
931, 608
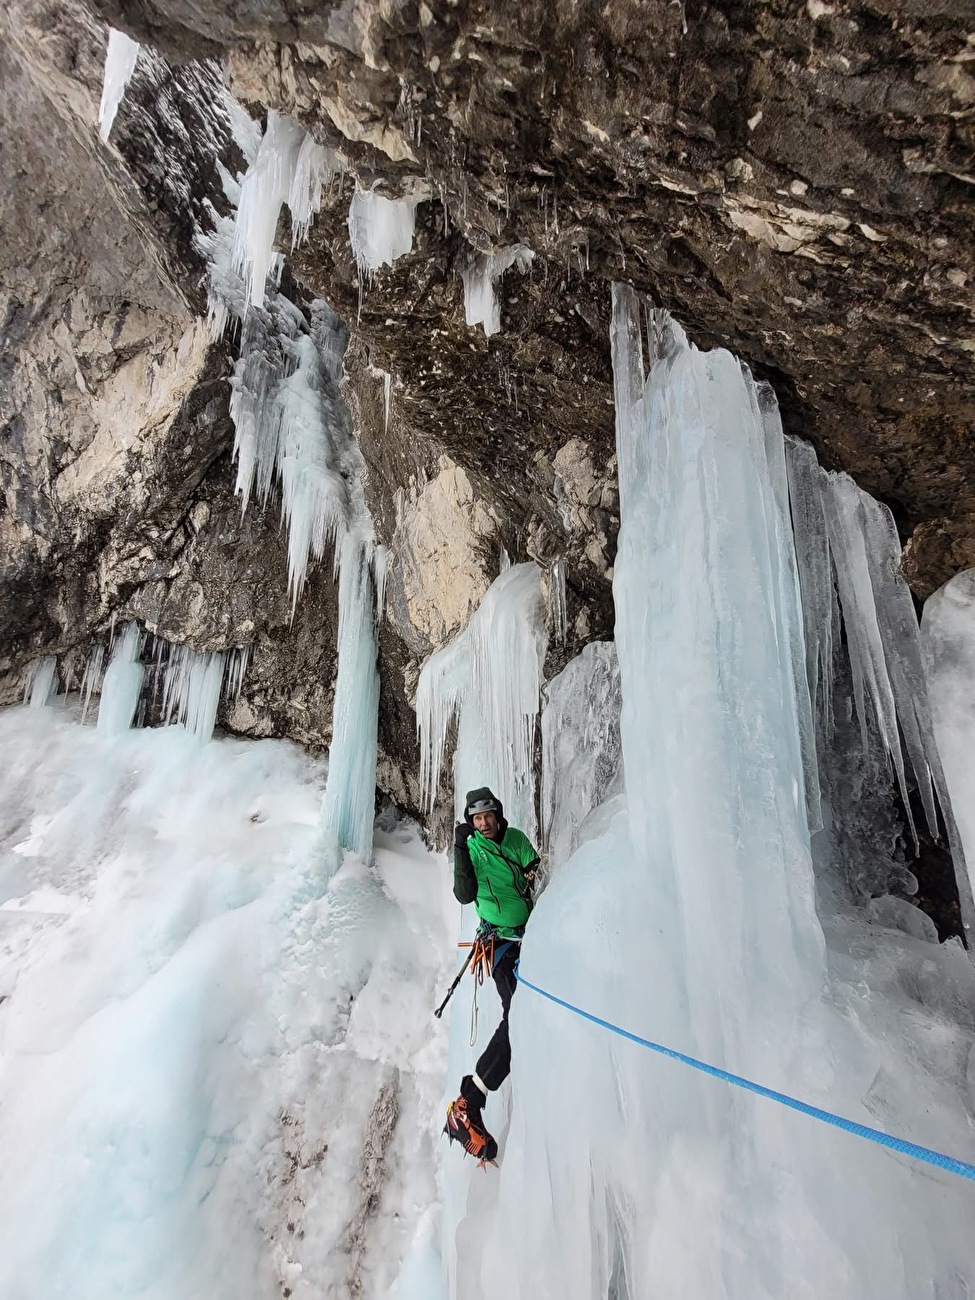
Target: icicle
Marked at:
314, 168
191, 689
380, 574
92, 678
122, 686
481, 305
443, 686
380, 229
121, 57
387, 399
41, 681
348, 807
820, 608
557, 603
264, 190
491, 673
504, 561
948, 640
237, 661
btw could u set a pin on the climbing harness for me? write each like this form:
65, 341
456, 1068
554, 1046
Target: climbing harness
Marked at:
936, 1158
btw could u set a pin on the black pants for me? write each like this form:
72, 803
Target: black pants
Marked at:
494, 1064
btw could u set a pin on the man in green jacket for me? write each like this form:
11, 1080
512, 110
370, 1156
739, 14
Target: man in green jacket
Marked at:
494, 868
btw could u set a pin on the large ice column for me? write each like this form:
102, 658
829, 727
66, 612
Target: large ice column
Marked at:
489, 677
581, 757
948, 637
348, 808
708, 623
121, 57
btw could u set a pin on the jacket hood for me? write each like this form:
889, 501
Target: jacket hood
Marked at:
475, 796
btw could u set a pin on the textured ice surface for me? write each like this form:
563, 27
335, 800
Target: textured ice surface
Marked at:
948, 634
481, 306
489, 677
192, 684
289, 168
41, 681
122, 685
380, 229
870, 662
582, 763
350, 793
201, 1019
121, 57
690, 920
557, 605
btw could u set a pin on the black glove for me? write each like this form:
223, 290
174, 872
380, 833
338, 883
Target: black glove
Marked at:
462, 833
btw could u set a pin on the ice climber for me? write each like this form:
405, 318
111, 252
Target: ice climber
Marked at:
494, 868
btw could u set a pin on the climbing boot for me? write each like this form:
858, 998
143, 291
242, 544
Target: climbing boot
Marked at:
465, 1125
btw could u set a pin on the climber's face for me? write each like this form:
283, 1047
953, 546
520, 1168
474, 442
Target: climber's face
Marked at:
486, 823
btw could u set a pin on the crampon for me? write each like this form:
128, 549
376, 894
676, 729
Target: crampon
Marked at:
464, 1125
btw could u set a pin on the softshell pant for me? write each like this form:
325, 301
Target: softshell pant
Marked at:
494, 1064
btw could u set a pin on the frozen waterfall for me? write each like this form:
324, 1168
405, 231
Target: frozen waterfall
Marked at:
689, 916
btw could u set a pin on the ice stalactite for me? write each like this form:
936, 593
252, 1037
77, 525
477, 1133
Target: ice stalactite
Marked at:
948, 640
92, 678
41, 681
192, 684
122, 686
489, 677
849, 569
582, 765
479, 273
121, 57
348, 807
290, 168
557, 606
380, 229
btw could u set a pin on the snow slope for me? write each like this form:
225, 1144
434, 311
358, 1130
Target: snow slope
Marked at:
219, 1071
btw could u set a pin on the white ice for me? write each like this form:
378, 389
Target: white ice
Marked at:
691, 919
192, 685
849, 565
380, 229
121, 56
41, 681
582, 766
122, 684
489, 677
948, 635
219, 1071
479, 274
556, 598
348, 808
289, 168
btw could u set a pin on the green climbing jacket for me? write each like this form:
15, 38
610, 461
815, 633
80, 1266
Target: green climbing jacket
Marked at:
492, 874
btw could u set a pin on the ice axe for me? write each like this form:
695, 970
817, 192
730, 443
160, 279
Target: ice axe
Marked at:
460, 975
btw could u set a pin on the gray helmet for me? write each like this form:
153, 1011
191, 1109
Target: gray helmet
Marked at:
481, 801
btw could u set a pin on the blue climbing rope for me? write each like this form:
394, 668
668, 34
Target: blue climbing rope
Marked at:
930, 1157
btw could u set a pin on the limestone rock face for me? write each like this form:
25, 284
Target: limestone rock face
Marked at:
115, 453
793, 181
